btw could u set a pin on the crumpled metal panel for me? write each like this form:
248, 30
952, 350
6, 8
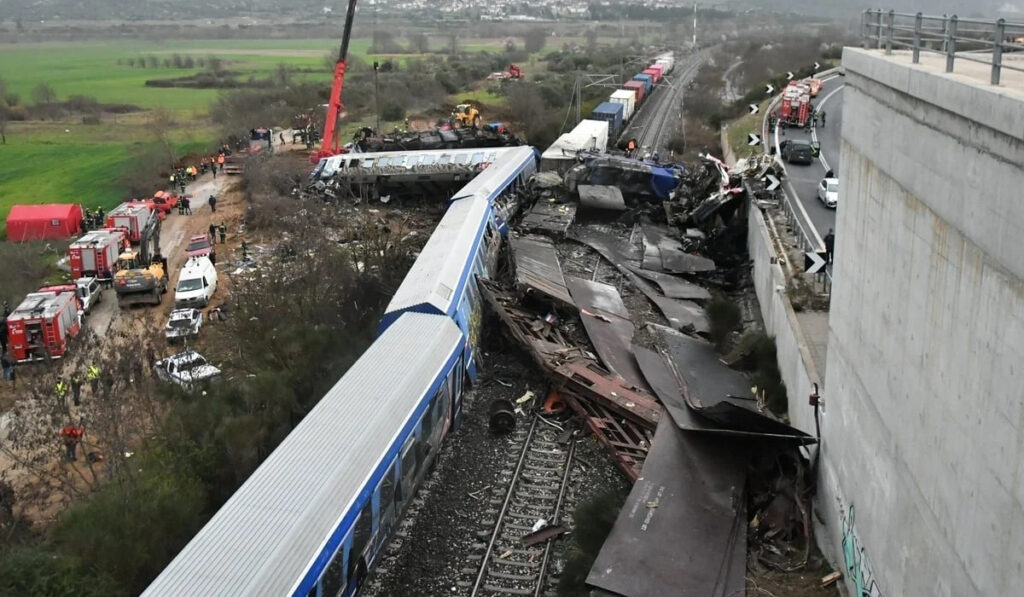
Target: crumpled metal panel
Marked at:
673, 286
609, 327
682, 530
537, 267
601, 197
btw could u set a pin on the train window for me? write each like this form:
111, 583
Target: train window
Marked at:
383, 162
360, 537
334, 577
352, 163
491, 157
408, 466
368, 163
428, 160
462, 158
444, 159
399, 161
477, 158
386, 497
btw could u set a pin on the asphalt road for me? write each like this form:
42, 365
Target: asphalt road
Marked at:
803, 180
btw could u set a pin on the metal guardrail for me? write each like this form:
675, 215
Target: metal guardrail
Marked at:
982, 41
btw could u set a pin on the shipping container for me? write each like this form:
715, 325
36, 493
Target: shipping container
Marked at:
647, 80
589, 135
612, 114
666, 65
639, 89
626, 97
655, 74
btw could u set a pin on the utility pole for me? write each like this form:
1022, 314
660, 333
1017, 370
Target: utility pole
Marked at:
376, 93
695, 25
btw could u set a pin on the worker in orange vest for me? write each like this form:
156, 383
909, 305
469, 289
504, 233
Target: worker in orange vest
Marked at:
220, 162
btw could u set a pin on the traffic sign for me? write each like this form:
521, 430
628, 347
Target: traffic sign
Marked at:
789, 75
816, 66
814, 262
769, 88
754, 109
753, 139
772, 182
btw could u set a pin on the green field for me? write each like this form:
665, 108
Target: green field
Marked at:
42, 163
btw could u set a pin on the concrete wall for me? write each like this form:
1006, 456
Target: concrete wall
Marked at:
924, 433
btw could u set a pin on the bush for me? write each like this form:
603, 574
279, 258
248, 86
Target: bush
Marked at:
594, 520
724, 317
37, 571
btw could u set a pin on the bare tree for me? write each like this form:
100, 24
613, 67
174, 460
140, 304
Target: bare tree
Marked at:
419, 42
534, 40
4, 117
161, 122
43, 93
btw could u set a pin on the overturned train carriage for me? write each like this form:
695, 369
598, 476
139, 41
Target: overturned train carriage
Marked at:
314, 516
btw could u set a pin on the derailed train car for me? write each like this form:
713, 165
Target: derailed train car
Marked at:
312, 519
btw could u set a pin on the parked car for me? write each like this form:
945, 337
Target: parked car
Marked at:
183, 323
196, 284
798, 151
828, 192
202, 245
188, 369
165, 201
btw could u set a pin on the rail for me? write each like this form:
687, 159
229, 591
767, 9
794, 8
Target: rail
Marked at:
974, 40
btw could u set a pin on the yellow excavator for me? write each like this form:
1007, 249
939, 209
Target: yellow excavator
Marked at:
141, 271
465, 115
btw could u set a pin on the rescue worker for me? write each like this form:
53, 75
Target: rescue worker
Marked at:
100, 215
3, 336
72, 435
830, 244
7, 309
220, 162
76, 388
92, 375
62, 390
187, 205
170, 179
213, 167
213, 232
223, 233
213, 203
6, 365
630, 148
108, 278
822, 114
245, 250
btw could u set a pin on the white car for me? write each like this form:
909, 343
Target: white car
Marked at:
187, 369
183, 323
828, 192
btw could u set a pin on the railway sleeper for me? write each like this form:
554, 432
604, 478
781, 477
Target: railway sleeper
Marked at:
510, 576
529, 564
507, 590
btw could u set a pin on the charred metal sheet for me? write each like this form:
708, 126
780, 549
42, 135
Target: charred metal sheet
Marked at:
601, 197
661, 378
719, 395
597, 297
548, 532
537, 267
673, 286
607, 322
549, 218
682, 315
682, 530
591, 382
541, 339
673, 258
626, 442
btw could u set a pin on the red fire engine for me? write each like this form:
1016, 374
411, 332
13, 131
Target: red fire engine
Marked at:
795, 108
95, 251
133, 218
40, 327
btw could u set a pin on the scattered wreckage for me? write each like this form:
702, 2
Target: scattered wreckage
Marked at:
689, 432
188, 369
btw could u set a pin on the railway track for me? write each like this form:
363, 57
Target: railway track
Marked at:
654, 122
536, 489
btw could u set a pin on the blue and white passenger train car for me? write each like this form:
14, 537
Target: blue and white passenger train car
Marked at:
313, 517
464, 245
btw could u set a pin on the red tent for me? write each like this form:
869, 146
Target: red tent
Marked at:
41, 222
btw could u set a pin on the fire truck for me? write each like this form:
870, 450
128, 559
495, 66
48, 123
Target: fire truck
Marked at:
795, 108
95, 252
39, 329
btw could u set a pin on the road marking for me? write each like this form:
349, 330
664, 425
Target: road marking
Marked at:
814, 129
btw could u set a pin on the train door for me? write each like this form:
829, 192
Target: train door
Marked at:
358, 554
385, 507
455, 378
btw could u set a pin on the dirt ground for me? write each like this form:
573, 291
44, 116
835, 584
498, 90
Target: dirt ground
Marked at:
35, 468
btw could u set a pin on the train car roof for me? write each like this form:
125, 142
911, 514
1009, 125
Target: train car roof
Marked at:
489, 154
500, 173
266, 538
441, 269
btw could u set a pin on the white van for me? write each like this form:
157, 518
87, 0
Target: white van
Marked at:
196, 284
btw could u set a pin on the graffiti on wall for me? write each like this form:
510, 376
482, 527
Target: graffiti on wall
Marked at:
858, 570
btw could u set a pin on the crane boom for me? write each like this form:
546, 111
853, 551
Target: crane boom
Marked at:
330, 145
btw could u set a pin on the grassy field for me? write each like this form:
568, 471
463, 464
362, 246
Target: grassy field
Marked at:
741, 127
42, 163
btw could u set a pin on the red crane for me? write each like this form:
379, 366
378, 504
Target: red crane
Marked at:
330, 144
